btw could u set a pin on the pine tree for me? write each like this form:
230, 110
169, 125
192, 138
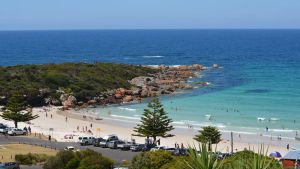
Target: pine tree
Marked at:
154, 122
208, 135
14, 108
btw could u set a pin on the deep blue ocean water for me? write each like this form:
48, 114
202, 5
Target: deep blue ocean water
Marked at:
259, 74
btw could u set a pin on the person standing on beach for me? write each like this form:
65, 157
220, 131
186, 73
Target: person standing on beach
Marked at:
91, 125
267, 129
66, 119
51, 116
29, 129
46, 114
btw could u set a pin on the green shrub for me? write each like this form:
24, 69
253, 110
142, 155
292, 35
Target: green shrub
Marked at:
76, 77
85, 159
29, 159
151, 159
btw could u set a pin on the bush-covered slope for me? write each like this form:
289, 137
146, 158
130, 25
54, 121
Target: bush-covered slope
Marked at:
84, 80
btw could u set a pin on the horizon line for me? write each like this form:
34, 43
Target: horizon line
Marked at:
115, 29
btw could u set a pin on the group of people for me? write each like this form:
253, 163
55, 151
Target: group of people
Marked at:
85, 128
27, 129
177, 146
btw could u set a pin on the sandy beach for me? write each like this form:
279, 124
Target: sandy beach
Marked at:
66, 123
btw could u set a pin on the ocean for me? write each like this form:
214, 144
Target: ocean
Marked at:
259, 77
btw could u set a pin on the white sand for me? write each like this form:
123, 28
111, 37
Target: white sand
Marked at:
124, 130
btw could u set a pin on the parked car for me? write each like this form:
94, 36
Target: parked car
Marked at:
180, 152
3, 128
97, 142
86, 140
9, 165
171, 150
137, 147
16, 131
71, 148
114, 144
125, 146
158, 148
107, 139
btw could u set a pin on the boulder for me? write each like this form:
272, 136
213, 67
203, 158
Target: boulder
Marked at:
141, 81
127, 99
70, 102
63, 97
91, 102
135, 91
144, 92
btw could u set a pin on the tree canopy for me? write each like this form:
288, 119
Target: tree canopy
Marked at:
208, 135
154, 122
15, 110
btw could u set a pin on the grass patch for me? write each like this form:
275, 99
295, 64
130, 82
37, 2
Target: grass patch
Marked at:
8, 151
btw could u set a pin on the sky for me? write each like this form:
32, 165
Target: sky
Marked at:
149, 14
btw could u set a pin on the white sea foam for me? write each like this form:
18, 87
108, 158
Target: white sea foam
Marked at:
157, 56
274, 119
261, 118
125, 117
282, 130
127, 109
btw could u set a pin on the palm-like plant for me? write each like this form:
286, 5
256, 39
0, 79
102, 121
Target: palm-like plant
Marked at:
202, 160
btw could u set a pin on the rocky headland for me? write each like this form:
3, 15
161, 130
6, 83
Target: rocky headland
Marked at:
165, 81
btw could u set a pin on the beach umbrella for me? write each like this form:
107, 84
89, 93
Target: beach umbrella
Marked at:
275, 154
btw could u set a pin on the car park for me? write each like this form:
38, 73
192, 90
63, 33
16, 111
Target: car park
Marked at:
16, 131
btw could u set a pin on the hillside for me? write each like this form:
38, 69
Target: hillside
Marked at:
37, 82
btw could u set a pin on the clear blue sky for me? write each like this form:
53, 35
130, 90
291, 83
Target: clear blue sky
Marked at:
148, 14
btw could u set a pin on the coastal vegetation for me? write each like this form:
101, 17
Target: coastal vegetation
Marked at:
154, 122
208, 135
204, 159
15, 110
30, 158
84, 159
40, 84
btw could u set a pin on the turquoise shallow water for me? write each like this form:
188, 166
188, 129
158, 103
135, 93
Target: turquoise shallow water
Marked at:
260, 74
271, 95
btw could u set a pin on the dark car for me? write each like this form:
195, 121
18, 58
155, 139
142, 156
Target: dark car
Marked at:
180, 152
125, 146
97, 142
137, 147
9, 165
148, 147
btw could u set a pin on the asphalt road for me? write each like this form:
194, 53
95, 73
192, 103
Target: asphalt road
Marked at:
117, 155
